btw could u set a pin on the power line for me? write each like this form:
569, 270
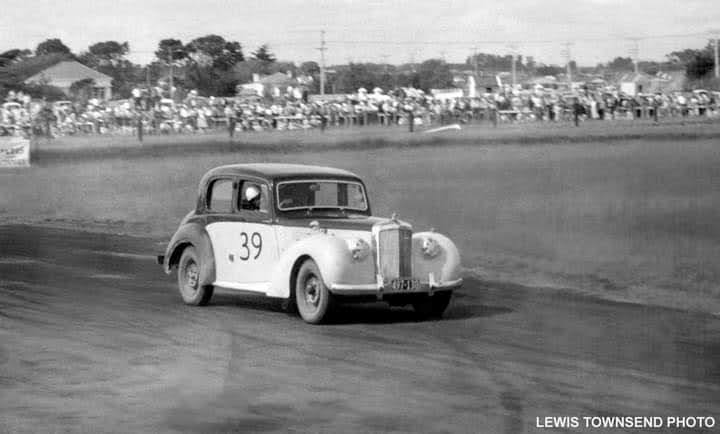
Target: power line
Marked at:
511, 41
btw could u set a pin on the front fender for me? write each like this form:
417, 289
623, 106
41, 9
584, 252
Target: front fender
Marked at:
445, 266
333, 258
192, 234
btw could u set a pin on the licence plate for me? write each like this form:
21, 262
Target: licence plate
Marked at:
405, 285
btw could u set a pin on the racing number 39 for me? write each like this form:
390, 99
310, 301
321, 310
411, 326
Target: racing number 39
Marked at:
248, 243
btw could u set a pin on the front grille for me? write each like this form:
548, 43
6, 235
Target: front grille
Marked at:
394, 252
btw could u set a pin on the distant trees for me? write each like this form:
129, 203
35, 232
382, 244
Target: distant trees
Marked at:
434, 74
263, 54
171, 50
215, 51
621, 64
13, 56
430, 74
310, 68
549, 70
81, 90
698, 64
52, 46
265, 59
105, 53
109, 57
214, 66
493, 62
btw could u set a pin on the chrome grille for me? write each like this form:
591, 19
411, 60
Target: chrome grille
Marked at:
394, 252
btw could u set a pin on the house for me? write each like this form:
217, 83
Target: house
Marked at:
635, 83
275, 85
667, 82
64, 73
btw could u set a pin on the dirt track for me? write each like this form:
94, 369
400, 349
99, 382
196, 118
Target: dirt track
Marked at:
94, 338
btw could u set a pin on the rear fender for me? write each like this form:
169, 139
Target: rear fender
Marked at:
192, 234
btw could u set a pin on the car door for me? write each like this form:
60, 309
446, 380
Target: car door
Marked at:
247, 242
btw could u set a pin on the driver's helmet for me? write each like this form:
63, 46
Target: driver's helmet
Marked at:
252, 193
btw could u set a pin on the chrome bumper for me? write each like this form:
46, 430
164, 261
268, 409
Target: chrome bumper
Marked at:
380, 287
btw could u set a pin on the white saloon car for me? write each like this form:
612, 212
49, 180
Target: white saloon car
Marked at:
306, 234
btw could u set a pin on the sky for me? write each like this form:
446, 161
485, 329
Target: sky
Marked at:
393, 31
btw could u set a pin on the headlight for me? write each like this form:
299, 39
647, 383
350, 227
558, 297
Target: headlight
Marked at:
430, 247
358, 248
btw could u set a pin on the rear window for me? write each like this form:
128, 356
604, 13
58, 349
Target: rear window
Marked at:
220, 194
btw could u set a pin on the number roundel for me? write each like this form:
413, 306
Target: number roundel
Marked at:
251, 245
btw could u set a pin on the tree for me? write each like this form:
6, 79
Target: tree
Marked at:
108, 57
81, 90
700, 65
621, 64
494, 62
549, 70
263, 54
310, 68
434, 74
105, 53
697, 63
215, 51
13, 56
51, 46
171, 50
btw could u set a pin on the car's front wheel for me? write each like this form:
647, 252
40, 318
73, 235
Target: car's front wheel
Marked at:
188, 274
312, 297
432, 306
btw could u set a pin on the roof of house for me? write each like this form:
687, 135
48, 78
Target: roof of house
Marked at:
277, 78
68, 70
15, 73
635, 77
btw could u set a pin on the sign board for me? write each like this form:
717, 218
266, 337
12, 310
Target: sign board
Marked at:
14, 152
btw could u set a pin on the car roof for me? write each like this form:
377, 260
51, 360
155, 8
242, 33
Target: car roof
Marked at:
274, 171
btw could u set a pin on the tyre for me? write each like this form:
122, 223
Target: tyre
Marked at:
432, 306
312, 298
188, 274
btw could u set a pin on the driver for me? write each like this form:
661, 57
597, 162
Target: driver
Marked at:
252, 198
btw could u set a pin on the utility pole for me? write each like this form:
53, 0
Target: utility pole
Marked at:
385, 58
635, 53
322, 50
513, 50
566, 53
717, 61
717, 58
475, 60
170, 64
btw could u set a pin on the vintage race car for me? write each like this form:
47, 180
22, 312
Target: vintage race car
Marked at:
306, 234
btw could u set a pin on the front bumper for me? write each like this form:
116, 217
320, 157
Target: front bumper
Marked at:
380, 287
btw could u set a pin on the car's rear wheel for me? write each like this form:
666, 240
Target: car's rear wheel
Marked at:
312, 297
432, 306
188, 274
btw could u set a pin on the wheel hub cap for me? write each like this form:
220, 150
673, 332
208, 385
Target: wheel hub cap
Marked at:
312, 293
191, 276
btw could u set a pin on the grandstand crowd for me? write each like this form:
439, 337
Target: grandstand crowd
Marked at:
196, 114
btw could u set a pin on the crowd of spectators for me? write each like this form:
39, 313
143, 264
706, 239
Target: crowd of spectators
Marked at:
196, 114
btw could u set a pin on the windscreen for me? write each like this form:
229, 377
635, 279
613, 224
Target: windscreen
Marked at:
321, 194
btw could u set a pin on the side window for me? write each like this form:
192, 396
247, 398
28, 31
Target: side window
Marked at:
219, 196
254, 197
